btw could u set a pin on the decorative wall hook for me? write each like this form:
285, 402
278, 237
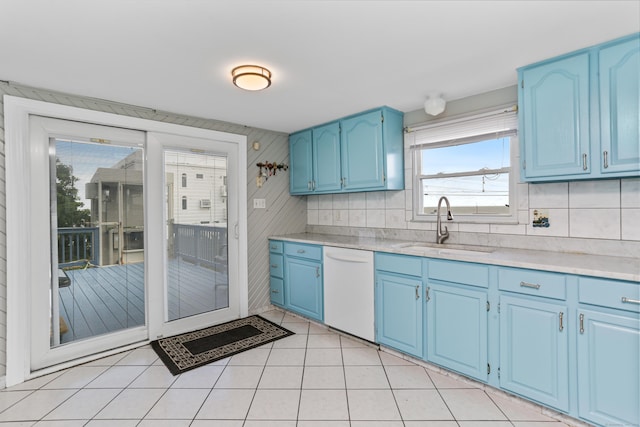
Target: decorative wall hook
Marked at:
267, 169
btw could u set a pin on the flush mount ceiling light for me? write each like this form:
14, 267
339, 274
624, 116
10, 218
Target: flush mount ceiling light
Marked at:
434, 104
251, 77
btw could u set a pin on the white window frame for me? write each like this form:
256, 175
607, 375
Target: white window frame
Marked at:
473, 128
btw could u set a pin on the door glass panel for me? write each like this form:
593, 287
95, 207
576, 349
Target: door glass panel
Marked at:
97, 240
196, 212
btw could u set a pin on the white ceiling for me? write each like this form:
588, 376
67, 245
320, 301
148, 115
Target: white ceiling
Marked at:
328, 58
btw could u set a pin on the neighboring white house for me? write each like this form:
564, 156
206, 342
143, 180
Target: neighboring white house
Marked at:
196, 194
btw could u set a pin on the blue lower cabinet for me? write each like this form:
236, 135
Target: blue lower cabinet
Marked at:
457, 329
399, 312
303, 287
534, 356
608, 368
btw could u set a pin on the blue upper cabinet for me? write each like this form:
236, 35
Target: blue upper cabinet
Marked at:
555, 99
326, 158
363, 152
579, 114
301, 159
619, 107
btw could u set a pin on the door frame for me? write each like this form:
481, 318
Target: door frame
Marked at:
18, 153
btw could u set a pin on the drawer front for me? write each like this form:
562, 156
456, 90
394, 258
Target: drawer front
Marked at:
531, 282
609, 293
401, 264
277, 291
276, 265
275, 246
459, 272
301, 250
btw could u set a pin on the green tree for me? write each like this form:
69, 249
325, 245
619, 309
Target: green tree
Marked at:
69, 206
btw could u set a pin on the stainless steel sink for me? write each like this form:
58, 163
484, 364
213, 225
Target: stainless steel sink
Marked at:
431, 248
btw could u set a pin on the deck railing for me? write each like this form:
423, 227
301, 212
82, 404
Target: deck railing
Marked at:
204, 245
78, 245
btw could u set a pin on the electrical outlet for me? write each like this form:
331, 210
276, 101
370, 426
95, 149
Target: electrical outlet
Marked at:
259, 203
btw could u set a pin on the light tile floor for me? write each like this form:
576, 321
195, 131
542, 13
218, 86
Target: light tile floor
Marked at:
315, 378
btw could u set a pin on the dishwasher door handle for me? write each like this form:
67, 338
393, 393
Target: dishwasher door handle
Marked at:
346, 259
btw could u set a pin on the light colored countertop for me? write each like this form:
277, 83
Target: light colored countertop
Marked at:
611, 267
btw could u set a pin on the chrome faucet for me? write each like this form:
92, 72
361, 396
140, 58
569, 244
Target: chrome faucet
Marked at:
443, 234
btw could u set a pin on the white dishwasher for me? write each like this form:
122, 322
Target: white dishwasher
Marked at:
349, 290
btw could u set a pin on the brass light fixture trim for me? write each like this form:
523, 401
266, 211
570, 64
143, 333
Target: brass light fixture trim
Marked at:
251, 77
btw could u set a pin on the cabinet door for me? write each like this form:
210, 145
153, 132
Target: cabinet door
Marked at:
457, 329
303, 287
362, 152
326, 157
619, 107
533, 350
300, 157
399, 312
555, 103
277, 290
608, 368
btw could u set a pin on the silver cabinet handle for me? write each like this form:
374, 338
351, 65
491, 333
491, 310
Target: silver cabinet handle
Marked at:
582, 323
301, 251
561, 316
417, 292
530, 285
584, 161
313, 185
317, 271
426, 294
274, 265
630, 301
606, 159
275, 291
344, 182
309, 185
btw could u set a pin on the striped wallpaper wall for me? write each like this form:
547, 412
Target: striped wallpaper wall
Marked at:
284, 213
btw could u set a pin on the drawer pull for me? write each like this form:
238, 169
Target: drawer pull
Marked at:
530, 285
417, 292
630, 301
275, 291
582, 323
317, 271
274, 265
301, 251
584, 162
561, 317
426, 294
606, 159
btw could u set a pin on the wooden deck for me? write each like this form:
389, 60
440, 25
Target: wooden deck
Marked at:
107, 299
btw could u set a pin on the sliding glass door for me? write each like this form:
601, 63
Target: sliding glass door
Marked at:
92, 296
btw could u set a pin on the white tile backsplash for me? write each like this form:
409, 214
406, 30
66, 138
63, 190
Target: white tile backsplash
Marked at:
595, 223
376, 218
630, 193
357, 201
581, 213
341, 201
375, 200
554, 195
630, 224
594, 194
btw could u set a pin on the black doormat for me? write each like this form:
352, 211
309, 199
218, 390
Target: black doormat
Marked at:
188, 351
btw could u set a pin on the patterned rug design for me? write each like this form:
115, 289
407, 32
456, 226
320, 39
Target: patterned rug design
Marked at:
187, 351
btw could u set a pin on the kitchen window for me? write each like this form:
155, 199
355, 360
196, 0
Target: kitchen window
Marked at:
468, 160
